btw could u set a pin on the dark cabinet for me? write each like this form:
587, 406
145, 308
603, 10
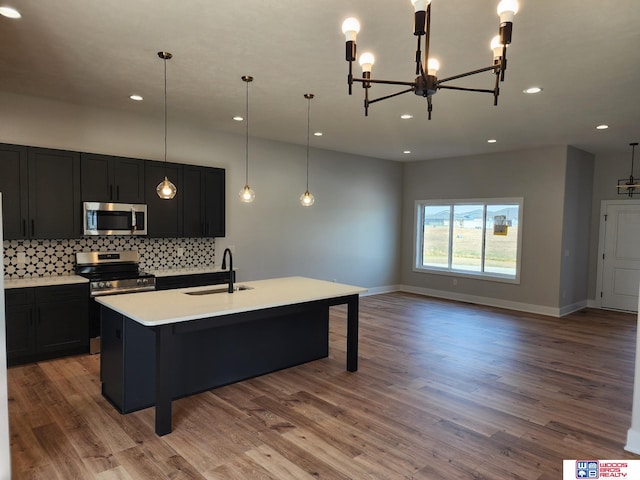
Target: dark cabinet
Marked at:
105, 178
41, 192
46, 322
54, 194
164, 217
21, 341
204, 202
192, 280
14, 187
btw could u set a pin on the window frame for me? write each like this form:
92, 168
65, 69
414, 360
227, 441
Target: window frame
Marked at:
418, 246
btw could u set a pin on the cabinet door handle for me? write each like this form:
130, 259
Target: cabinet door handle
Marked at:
33, 227
110, 192
24, 227
117, 192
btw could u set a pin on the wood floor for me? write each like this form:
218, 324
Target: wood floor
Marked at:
445, 390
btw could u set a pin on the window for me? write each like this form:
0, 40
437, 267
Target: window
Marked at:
478, 237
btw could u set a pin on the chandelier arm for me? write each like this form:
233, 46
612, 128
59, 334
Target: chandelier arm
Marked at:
386, 82
465, 89
429, 106
390, 96
496, 89
467, 74
350, 77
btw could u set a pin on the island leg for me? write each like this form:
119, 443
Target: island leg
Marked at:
164, 376
352, 333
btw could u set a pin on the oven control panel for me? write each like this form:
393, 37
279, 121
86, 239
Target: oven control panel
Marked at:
127, 285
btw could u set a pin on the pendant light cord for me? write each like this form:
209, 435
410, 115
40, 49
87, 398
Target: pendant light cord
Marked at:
308, 126
246, 147
165, 116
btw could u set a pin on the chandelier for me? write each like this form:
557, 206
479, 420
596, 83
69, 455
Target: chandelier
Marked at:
628, 186
427, 83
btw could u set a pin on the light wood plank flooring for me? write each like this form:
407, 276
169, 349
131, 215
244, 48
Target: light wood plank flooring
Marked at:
445, 390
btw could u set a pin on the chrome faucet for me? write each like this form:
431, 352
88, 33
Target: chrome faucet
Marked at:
224, 265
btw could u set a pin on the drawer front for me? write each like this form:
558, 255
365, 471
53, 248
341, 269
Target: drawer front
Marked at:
19, 296
60, 293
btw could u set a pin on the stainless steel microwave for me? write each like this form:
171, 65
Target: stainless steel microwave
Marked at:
114, 218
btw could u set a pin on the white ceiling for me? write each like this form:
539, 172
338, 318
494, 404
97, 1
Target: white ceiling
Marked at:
584, 53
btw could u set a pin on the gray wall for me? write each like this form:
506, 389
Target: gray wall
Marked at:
607, 170
576, 230
351, 234
538, 176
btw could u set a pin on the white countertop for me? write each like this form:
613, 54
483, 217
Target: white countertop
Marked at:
43, 281
170, 272
172, 306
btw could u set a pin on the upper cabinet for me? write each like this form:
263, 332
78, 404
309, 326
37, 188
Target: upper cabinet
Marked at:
204, 201
54, 194
112, 179
164, 217
41, 192
15, 191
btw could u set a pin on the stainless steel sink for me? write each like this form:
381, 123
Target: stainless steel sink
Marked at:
225, 289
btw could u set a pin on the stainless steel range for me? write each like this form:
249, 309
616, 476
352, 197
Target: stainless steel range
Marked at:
110, 273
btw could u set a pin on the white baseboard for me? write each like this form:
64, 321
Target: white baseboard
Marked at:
633, 441
488, 301
379, 290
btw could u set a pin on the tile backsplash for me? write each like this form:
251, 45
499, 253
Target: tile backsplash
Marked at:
43, 258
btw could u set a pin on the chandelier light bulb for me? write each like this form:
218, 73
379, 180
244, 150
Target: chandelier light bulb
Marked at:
247, 195
507, 9
420, 5
496, 46
433, 66
307, 199
366, 61
351, 28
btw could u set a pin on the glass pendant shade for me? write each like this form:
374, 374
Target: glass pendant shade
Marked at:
307, 199
247, 195
166, 190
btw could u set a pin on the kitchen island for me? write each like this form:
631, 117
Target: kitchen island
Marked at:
162, 345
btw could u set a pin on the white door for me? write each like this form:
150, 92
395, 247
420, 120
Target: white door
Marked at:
620, 255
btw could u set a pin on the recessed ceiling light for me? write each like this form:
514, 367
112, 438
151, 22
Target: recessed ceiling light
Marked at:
406, 116
137, 98
318, 134
406, 151
10, 12
492, 140
532, 90
238, 118
602, 127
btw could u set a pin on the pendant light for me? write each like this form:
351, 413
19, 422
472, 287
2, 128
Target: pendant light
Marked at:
247, 195
307, 199
165, 189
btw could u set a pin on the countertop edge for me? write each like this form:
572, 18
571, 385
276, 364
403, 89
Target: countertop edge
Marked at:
218, 311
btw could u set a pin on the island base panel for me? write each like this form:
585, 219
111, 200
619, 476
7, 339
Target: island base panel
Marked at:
206, 358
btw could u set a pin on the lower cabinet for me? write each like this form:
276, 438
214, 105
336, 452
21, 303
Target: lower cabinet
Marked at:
46, 322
